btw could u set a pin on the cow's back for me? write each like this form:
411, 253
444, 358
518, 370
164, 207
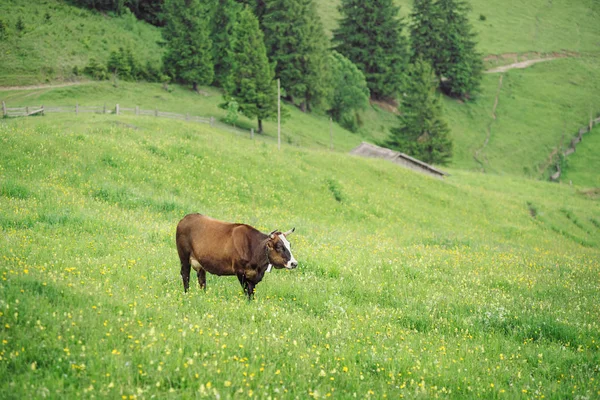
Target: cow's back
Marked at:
207, 240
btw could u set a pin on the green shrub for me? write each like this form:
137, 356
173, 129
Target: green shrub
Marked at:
20, 25
232, 112
3, 29
335, 189
96, 70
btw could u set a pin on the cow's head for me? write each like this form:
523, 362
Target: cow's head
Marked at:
279, 250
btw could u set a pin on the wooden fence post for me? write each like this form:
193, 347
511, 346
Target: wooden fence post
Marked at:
117, 109
42, 110
252, 133
137, 110
212, 122
26, 111
3, 109
104, 111
187, 116
76, 108
156, 112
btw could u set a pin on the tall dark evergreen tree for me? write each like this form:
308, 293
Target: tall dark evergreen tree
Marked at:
251, 84
297, 45
442, 35
461, 65
222, 35
189, 49
370, 35
425, 31
422, 133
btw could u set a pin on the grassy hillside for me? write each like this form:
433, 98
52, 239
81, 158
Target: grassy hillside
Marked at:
475, 286
538, 109
58, 36
517, 26
306, 130
582, 168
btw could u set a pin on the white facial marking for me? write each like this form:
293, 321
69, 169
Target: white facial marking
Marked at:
286, 243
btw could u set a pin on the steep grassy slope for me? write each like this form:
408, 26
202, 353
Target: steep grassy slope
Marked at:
517, 26
306, 130
59, 36
476, 286
537, 109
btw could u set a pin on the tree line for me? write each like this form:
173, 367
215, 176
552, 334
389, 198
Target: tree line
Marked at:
243, 46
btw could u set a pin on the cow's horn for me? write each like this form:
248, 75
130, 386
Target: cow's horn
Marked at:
290, 231
272, 234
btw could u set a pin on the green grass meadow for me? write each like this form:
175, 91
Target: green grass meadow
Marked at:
539, 109
59, 36
482, 285
408, 286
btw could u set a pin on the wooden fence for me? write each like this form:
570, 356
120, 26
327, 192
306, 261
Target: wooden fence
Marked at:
117, 110
555, 176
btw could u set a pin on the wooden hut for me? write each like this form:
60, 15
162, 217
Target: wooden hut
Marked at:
373, 151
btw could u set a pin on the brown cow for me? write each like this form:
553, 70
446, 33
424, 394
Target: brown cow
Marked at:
223, 248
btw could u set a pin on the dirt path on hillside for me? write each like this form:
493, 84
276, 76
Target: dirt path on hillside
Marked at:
523, 60
519, 65
41, 86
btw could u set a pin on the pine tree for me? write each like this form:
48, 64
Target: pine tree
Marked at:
422, 133
425, 31
189, 50
297, 45
370, 35
350, 91
258, 7
222, 31
251, 84
460, 65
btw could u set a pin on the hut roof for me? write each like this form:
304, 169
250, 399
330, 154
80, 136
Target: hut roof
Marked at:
370, 150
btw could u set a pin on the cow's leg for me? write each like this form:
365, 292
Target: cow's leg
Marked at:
250, 290
185, 275
202, 278
243, 282
185, 269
